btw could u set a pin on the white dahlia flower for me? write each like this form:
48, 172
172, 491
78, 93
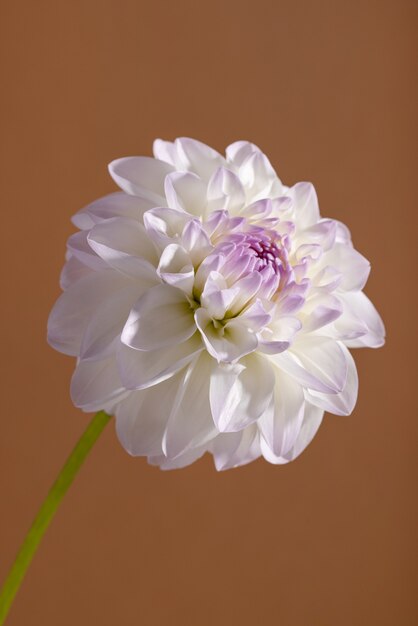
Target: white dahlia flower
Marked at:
211, 308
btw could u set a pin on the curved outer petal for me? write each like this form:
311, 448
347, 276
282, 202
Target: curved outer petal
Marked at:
141, 176
198, 157
239, 151
360, 315
240, 394
96, 385
340, 403
311, 422
183, 460
72, 311
316, 362
124, 245
72, 271
142, 417
118, 204
353, 266
280, 426
259, 178
185, 192
235, 449
167, 151
106, 323
139, 369
78, 247
160, 318
323, 233
320, 310
192, 399
305, 204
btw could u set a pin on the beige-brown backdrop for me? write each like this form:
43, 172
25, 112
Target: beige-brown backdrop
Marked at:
328, 90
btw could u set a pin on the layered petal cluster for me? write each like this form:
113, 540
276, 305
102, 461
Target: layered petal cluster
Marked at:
211, 308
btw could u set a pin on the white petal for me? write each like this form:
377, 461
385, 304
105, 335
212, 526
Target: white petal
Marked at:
176, 268
241, 393
353, 267
96, 384
258, 176
245, 289
79, 248
227, 342
71, 313
255, 316
167, 151
139, 369
320, 310
165, 226
200, 158
186, 192
322, 233
236, 449
340, 403
118, 204
216, 297
196, 241
124, 245
161, 317
305, 204
142, 417
190, 424
239, 151
279, 334
225, 191
280, 427
106, 323
359, 311
317, 363
141, 176
72, 271
183, 460
311, 422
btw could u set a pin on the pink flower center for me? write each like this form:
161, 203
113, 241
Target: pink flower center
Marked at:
267, 252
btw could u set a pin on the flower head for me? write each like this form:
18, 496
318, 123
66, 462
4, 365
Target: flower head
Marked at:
211, 308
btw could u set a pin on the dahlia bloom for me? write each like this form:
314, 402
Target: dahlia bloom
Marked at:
211, 308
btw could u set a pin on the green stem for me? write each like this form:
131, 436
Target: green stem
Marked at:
47, 511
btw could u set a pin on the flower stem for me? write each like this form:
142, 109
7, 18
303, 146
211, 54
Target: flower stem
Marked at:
47, 511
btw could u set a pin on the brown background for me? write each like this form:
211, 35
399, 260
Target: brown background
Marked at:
328, 90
